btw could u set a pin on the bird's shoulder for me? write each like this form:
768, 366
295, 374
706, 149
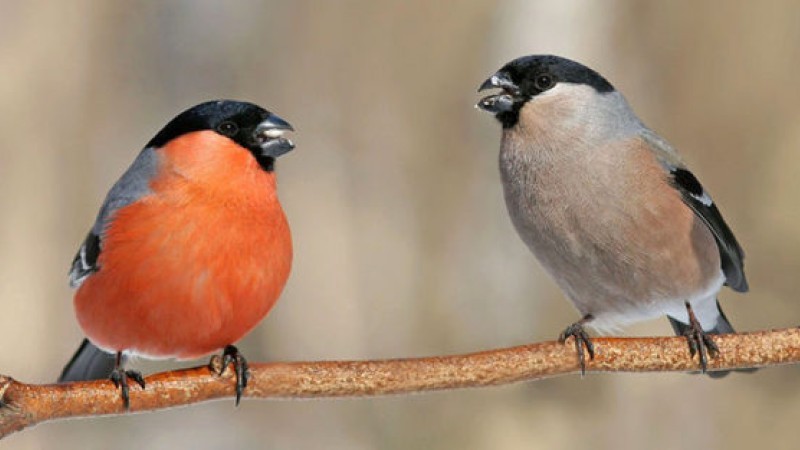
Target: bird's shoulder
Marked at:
132, 185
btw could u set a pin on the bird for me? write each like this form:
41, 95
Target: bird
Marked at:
190, 249
608, 207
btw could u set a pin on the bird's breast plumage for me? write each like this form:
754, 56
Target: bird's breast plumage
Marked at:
595, 218
195, 264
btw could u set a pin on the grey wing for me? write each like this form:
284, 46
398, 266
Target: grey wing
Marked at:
731, 253
696, 198
133, 185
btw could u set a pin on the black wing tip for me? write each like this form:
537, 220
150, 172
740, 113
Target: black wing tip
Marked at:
740, 285
731, 253
85, 261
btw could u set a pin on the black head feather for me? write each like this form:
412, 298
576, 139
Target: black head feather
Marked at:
233, 119
524, 78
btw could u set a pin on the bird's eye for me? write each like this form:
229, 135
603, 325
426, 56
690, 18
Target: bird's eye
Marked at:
544, 82
228, 128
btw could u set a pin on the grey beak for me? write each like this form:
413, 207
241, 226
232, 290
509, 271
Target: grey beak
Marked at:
274, 122
503, 101
270, 135
499, 80
488, 84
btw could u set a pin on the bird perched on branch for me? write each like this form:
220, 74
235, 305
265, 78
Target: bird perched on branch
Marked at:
608, 207
190, 249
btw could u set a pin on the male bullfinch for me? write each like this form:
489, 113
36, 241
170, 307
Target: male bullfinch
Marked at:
608, 206
190, 249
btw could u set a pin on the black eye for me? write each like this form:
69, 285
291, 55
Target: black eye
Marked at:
544, 82
228, 128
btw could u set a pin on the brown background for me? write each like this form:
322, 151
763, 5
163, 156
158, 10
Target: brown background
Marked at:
403, 246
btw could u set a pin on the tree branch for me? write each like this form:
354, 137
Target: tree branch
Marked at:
23, 405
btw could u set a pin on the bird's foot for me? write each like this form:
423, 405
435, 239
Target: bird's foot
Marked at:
582, 340
120, 377
231, 355
700, 343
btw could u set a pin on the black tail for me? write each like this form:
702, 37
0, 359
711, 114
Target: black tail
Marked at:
723, 326
89, 363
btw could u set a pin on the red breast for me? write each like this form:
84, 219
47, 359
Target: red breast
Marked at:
197, 263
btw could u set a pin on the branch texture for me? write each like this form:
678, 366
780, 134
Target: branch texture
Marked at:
23, 405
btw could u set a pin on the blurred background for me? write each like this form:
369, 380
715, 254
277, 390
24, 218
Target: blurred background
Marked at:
402, 242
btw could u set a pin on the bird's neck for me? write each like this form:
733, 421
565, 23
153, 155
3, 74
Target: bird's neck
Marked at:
578, 121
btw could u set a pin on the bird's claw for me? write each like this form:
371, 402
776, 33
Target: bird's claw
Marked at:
241, 370
582, 340
700, 343
120, 377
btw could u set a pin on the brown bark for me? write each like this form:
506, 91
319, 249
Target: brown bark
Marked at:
23, 405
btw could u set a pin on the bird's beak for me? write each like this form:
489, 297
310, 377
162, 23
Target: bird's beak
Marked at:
269, 134
502, 102
500, 80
